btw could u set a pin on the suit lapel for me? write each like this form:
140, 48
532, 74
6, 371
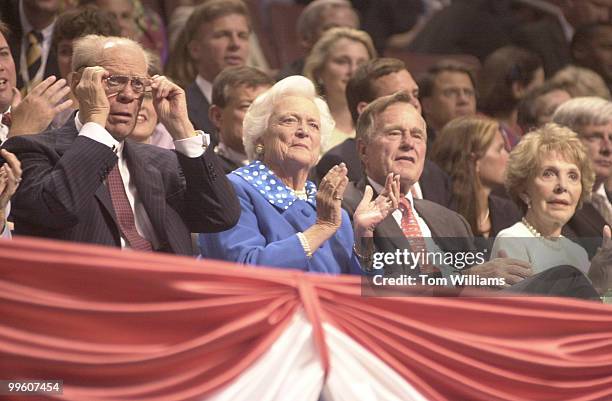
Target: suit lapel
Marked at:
149, 183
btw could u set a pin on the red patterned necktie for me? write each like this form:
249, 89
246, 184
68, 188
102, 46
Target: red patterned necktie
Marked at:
124, 213
413, 234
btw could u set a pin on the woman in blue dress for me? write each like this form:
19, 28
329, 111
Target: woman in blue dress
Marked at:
286, 221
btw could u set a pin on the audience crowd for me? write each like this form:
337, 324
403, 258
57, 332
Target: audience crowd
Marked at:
170, 126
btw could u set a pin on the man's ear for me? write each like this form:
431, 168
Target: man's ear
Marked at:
518, 90
361, 150
215, 114
361, 106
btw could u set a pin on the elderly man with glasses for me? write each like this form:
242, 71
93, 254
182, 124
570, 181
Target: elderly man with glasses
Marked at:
84, 182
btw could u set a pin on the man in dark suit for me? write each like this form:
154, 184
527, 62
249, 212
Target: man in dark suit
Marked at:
392, 140
220, 40
84, 182
234, 90
31, 24
374, 79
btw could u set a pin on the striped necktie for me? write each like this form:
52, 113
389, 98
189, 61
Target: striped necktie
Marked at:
412, 231
34, 54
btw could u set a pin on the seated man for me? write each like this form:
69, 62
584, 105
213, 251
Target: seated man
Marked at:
234, 89
373, 79
85, 183
392, 139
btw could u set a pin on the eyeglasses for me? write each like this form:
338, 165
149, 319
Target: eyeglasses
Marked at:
116, 83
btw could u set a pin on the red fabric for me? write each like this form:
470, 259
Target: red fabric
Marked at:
141, 326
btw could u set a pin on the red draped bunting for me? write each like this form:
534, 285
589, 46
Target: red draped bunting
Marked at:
126, 325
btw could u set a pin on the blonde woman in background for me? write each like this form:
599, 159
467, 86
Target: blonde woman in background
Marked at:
330, 65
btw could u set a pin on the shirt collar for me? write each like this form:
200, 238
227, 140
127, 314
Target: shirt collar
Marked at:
205, 88
260, 177
79, 125
379, 188
231, 154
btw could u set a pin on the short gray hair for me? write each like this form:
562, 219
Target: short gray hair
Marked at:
366, 123
257, 117
89, 50
578, 112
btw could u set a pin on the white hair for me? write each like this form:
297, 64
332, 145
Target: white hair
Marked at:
257, 117
89, 50
578, 112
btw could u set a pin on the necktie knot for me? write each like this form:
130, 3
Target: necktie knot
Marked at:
35, 37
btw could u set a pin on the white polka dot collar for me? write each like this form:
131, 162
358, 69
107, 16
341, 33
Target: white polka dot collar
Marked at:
271, 187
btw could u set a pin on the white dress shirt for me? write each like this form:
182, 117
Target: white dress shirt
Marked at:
205, 88
4, 130
47, 34
191, 147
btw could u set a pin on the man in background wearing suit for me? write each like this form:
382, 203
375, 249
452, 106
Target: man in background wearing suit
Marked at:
221, 40
84, 182
31, 23
233, 91
374, 79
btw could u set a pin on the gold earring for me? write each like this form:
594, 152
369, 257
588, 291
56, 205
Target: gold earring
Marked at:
259, 149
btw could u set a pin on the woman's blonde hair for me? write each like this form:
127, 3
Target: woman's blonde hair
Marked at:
319, 54
526, 157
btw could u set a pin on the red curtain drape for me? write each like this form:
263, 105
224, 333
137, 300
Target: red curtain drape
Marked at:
126, 325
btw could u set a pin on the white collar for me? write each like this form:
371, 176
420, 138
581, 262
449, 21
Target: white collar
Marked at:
229, 153
79, 125
205, 88
379, 188
27, 27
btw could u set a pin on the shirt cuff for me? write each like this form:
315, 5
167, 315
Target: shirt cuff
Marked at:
99, 134
194, 146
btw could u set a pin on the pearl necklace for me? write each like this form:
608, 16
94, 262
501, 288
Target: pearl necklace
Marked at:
550, 241
300, 194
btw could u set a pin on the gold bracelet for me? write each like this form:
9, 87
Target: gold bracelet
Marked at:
305, 245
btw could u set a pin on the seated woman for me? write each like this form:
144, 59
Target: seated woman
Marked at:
147, 129
549, 175
472, 151
285, 221
330, 64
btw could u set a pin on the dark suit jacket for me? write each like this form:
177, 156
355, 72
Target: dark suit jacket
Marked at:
227, 165
435, 183
197, 108
63, 195
586, 228
451, 231
9, 13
